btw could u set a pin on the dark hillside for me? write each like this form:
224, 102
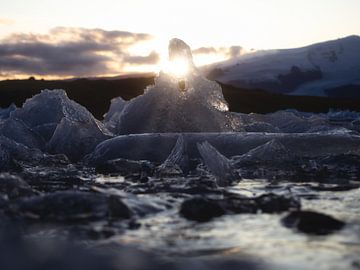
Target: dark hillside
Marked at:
96, 95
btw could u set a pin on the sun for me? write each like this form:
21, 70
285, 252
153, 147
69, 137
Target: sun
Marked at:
178, 67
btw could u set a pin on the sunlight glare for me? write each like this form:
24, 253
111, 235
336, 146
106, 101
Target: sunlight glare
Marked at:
178, 67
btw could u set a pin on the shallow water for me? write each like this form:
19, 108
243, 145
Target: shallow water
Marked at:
259, 236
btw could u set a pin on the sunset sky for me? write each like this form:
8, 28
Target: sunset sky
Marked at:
51, 39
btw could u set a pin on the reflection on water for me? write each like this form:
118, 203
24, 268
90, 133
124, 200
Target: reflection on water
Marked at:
104, 179
260, 235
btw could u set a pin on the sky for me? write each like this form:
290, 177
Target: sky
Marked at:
50, 39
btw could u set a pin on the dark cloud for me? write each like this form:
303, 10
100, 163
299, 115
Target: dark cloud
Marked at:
204, 50
70, 52
235, 51
150, 59
229, 52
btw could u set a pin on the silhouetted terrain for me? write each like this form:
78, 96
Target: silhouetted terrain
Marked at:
96, 95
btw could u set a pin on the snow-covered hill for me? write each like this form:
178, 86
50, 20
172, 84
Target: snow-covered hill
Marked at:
327, 68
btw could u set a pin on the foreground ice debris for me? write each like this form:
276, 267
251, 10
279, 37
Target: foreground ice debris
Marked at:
273, 151
156, 147
219, 165
18, 131
51, 117
5, 112
18, 151
178, 160
178, 104
112, 117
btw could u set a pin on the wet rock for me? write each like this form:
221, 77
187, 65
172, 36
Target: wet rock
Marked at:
72, 206
312, 222
12, 187
125, 167
201, 209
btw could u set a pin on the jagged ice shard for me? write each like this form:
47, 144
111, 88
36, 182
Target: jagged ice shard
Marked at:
182, 101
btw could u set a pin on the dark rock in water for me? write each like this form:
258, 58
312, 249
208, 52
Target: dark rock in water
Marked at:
201, 209
272, 203
72, 206
312, 222
335, 187
12, 187
125, 167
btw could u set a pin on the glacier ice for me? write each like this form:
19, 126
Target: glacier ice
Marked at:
273, 151
4, 159
165, 107
66, 126
19, 151
18, 131
178, 160
156, 147
5, 112
339, 115
169, 124
75, 139
218, 164
112, 117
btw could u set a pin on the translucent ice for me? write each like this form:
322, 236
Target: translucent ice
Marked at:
19, 151
187, 104
18, 131
4, 159
178, 160
218, 164
273, 150
157, 147
111, 118
75, 139
68, 127
5, 112
338, 115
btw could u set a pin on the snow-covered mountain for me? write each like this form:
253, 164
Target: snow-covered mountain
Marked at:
330, 68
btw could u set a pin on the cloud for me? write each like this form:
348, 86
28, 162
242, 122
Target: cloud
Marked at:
150, 59
204, 50
235, 51
227, 52
82, 52
71, 52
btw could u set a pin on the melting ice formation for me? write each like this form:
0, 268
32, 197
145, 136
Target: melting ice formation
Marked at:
175, 121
